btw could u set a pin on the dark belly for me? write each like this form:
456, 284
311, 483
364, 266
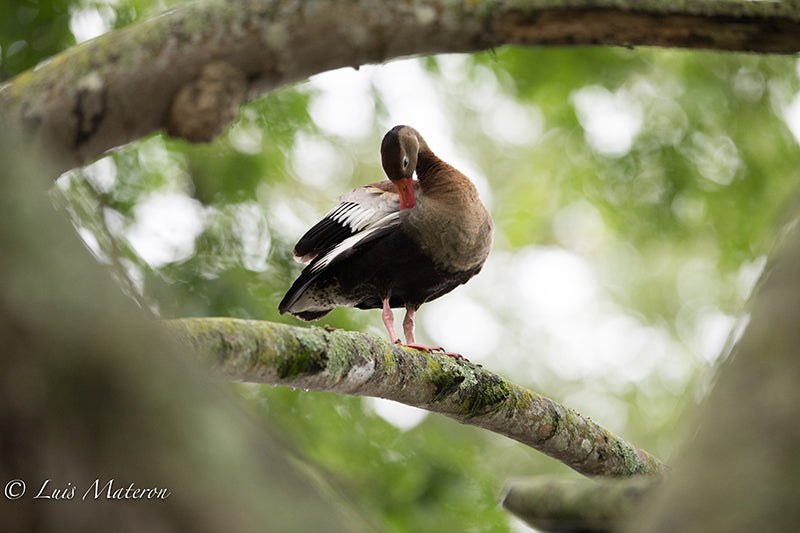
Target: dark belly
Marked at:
393, 267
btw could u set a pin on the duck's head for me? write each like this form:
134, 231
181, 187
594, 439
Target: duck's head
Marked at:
399, 152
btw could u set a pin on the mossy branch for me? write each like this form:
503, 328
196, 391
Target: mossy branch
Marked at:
354, 363
565, 504
187, 69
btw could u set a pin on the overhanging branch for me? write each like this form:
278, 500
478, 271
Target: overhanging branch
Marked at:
125, 84
354, 363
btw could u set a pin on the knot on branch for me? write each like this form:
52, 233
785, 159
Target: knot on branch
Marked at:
89, 107
203, 107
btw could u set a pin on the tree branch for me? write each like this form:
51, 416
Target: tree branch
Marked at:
122, 85
354, 363
561, 504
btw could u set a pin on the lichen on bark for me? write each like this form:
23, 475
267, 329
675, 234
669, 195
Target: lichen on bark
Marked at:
359, 364
142, 67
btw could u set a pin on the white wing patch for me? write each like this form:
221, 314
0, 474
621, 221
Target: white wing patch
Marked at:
364, 206
363, 220
354, 218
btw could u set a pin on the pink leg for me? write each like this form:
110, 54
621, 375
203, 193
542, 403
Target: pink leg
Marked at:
408, 331
388, 321
408, 325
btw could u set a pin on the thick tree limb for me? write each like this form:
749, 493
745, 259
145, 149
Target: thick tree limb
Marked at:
738, 469
563, 504
91, 389
121, 86
358, 364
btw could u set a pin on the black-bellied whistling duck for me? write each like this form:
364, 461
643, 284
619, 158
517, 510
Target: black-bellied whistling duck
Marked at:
396, 243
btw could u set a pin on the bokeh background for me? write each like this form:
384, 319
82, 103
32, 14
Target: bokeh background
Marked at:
637, 196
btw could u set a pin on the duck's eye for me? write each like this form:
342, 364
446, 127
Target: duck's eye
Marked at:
405, 162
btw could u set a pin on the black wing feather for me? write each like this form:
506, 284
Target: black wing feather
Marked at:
364, 214
310, 274
325, 234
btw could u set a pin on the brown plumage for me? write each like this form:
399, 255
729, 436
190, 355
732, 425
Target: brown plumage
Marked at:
396, 243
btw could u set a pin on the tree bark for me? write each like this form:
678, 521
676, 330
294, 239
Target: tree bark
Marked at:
739, 470
125, 84
560, 504
354, 363
93, 390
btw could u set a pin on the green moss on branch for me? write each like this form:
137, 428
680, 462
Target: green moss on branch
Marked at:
123, 85
354, 363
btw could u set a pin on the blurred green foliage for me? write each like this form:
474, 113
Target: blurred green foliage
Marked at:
31, 30
703, 112
672, 224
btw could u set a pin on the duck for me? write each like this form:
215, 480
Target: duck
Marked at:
397, 243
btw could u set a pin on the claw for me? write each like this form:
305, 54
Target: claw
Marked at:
455, 355
430, 349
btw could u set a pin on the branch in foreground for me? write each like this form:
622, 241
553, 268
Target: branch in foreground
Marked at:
125, 84
561, 504
354, 363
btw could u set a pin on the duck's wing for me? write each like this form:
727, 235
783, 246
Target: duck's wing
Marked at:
358, 213
362, 216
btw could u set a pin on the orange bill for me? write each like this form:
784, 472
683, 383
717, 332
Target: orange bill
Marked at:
405, 187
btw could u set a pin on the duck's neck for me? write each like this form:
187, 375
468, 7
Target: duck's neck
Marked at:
437, 177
